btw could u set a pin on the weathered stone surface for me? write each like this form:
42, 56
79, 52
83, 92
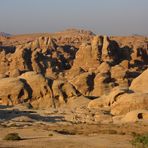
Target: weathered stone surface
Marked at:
135, 115
97, 103
101, 49
12, 91
15, 73
77, 101
103, 118
107, 100
75, 66
83, 83
114, 95
118, 74
85, 58
40, 92
73, 72
101, 84
128, 102
103, 68
43, 43
62, 90
140, 84
20, 60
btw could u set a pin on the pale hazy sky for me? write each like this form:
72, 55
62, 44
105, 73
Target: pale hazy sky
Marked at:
112, 17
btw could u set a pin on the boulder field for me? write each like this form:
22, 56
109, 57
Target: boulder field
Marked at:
79, 70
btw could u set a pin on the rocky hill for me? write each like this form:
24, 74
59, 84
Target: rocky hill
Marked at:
76, 69
5, 34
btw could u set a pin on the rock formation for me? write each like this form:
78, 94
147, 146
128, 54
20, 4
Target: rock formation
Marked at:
140, 84
12, 91
57, 69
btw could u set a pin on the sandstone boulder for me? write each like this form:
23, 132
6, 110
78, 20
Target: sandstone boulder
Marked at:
140, 84
135, 115
89, 54
40, 92
109, 50
14, 73
97, 43
107, 100
139, 55
97, 103
12, 91
77, 102
83, 83
129, 102
62, 90
85, 59
103, 68
103, 118
20, 60
42, 42
73, 72
118, 74
4, 68
102, 84
114, 95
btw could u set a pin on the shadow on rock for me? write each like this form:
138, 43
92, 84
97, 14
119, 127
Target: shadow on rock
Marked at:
11, 114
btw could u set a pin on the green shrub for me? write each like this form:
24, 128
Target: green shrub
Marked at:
12, 136
140, 141
50, 134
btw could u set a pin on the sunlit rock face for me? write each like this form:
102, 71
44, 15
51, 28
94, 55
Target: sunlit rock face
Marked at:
51, 70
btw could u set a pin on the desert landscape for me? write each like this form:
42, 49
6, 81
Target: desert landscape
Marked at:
73, 89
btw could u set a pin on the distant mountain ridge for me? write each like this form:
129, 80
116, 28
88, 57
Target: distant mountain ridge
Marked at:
5, 34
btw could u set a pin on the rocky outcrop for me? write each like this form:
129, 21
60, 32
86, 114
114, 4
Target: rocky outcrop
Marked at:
102, 84
135, 116
84, 83
97, 103
120, 102
91, 55
129, 102
106, 100
77, 102
62, 91
140, 83
84, 115
39, 88
62, 68
118, 74
12, 91
41, 55
85, 58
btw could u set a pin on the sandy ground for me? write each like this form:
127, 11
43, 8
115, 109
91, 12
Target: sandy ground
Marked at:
39, 138
51, 131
